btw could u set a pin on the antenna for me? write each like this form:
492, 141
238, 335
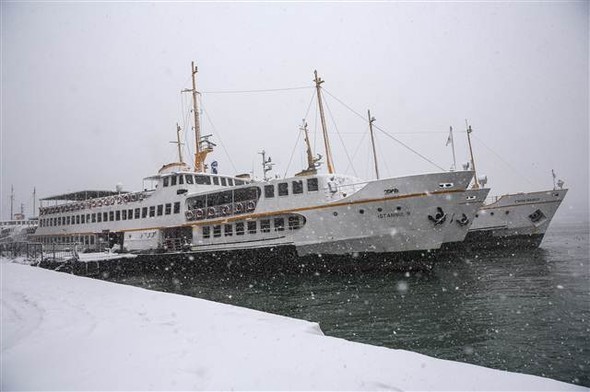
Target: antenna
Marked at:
312, 163
371, 120
266, 165
318, 81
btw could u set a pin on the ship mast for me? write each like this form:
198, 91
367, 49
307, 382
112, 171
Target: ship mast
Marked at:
318, 81
11, 201
469, 130
371, 120
200, 153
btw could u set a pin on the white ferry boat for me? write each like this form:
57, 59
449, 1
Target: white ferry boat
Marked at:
197, 212
512, 220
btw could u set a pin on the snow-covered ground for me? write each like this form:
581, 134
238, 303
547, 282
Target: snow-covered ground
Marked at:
64, 332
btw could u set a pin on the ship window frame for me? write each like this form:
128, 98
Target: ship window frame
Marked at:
202, 180
314, 182
216, 231
137, 213
269, 191
176, 207
239, 182
279, 224
265, 225
165, 181
98, 217
181, 179
82, 220
293, 222
215, 180
152, 212
124, 215
111, 216
160, 210
172, 180
130, 214
105, 216
252, 227
228, 230
190, 179
77, 220
117, 215
240, 230
206, 231
144, 212
230, 181
283, 189
297, 186
223, 181
168, 208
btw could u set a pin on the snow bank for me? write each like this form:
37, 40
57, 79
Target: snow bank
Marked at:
63, 332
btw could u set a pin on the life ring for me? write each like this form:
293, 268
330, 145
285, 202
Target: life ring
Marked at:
99, 203
225, 210
238, 208
93, 203
126, 198
111, 200
211, 212
189, 215
250, 206
118, 199
133, 197
199, 213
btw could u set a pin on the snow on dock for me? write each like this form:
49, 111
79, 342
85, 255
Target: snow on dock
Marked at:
65, 332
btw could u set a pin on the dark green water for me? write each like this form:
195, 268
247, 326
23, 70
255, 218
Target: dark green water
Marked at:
522, 311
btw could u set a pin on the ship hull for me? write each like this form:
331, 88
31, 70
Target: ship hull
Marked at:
514, 221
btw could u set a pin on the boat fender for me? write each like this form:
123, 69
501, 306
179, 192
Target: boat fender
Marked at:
239, 208
199, 213
250, 206
225, 209
463, 221
189, 215
211, 212
439, 218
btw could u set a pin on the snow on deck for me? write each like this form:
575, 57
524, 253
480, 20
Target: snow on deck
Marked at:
65, 332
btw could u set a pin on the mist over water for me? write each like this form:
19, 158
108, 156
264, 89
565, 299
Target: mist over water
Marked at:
521, 311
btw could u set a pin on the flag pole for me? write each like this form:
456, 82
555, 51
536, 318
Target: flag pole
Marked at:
453, 147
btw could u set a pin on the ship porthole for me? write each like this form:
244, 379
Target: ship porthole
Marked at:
335, 213
379, 209
507, 212
361, 211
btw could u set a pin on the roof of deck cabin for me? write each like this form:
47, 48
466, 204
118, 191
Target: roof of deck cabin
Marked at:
81, 195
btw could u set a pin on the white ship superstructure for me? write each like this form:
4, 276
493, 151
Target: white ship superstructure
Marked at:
195, 211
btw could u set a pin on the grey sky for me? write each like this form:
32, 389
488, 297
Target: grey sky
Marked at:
91, 91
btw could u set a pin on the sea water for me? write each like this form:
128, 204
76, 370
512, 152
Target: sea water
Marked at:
525, 311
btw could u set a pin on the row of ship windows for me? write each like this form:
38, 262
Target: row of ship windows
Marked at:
296, 187
181, 179
82, 239
111, 216
251, 227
